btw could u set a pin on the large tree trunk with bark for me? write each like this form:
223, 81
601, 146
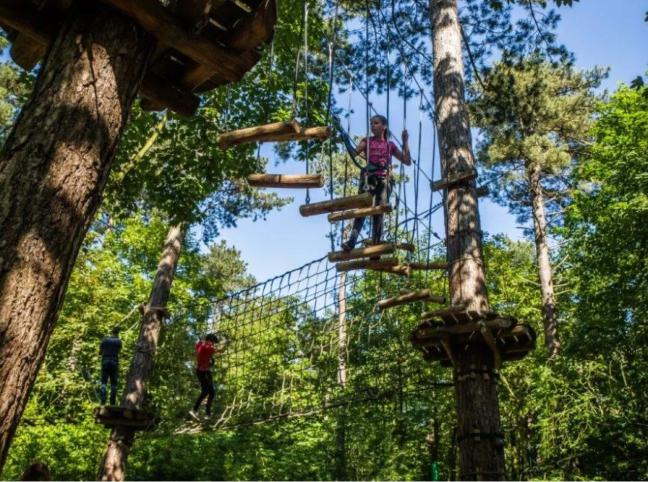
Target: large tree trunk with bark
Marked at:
475, 398
544, 263
113, 466
53, 169
343, 342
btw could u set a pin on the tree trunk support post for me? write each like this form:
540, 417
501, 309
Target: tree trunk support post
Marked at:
113, 466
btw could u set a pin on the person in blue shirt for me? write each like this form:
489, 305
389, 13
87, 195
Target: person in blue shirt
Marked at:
109, 351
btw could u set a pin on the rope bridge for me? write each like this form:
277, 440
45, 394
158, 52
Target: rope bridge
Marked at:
312, 339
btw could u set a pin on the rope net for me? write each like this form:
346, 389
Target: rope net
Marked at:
312, 339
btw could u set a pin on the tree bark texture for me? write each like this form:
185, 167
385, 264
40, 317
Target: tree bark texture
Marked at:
467, 281
113, 466
544, 263
476, 399
53, 168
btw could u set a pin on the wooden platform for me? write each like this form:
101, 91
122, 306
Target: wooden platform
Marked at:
114, 415
414, 296
288, 181
202, 44
275, 132
358, 213
444, 331
358, 201
368, 252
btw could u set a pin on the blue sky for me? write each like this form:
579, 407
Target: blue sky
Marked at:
600, 32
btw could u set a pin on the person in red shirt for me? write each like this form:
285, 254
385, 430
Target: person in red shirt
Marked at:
205, 350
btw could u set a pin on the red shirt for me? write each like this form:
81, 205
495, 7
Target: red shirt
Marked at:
204, 352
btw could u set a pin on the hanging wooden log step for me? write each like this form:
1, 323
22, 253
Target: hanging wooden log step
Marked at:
358, 213
118, 416
290, 181
369, 251
422, 295
275, 132
383, 265
453, 181
339, 204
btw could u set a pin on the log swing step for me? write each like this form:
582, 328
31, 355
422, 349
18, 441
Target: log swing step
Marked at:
275, 132
421, 295
349, 202
358, 213
369, 251
384, 265
291, 181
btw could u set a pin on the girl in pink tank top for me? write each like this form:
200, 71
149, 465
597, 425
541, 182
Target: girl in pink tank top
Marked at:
376, 175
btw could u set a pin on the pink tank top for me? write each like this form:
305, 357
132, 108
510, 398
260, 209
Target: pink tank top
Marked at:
380, 154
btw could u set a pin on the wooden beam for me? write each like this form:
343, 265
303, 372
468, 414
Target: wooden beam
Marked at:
339, 204
366, 252
384, 265
358, 213
286, 180
446, 183
27, 52
162, 92
159, 21
422, 295
490, 341
20, 16
255, 30
258, 133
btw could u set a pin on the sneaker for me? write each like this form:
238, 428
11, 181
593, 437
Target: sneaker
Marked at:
194, 415
346, 246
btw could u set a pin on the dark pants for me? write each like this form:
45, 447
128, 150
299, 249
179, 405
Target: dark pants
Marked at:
381, 189
109, 371
206, 389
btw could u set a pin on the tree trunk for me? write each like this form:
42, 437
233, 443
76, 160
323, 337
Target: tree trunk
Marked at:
340, 429
476, 398
113, 466
544, 264
53, 169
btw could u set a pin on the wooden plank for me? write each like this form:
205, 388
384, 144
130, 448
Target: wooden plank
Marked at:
446, 183
286, 180
428, 266
19, 16
339, 204
490, 341
162, 92
258, 133
27, 52
256, 29
159, 21
373, 250
384, 265
422, 295
358, 213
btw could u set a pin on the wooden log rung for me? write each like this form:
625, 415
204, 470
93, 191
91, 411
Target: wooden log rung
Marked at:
422, 295
366, 252
453, 181
275, 132
358, 213
349, 202
384, 265
289, 181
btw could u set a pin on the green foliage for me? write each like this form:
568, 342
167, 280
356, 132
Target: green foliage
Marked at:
532, 115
